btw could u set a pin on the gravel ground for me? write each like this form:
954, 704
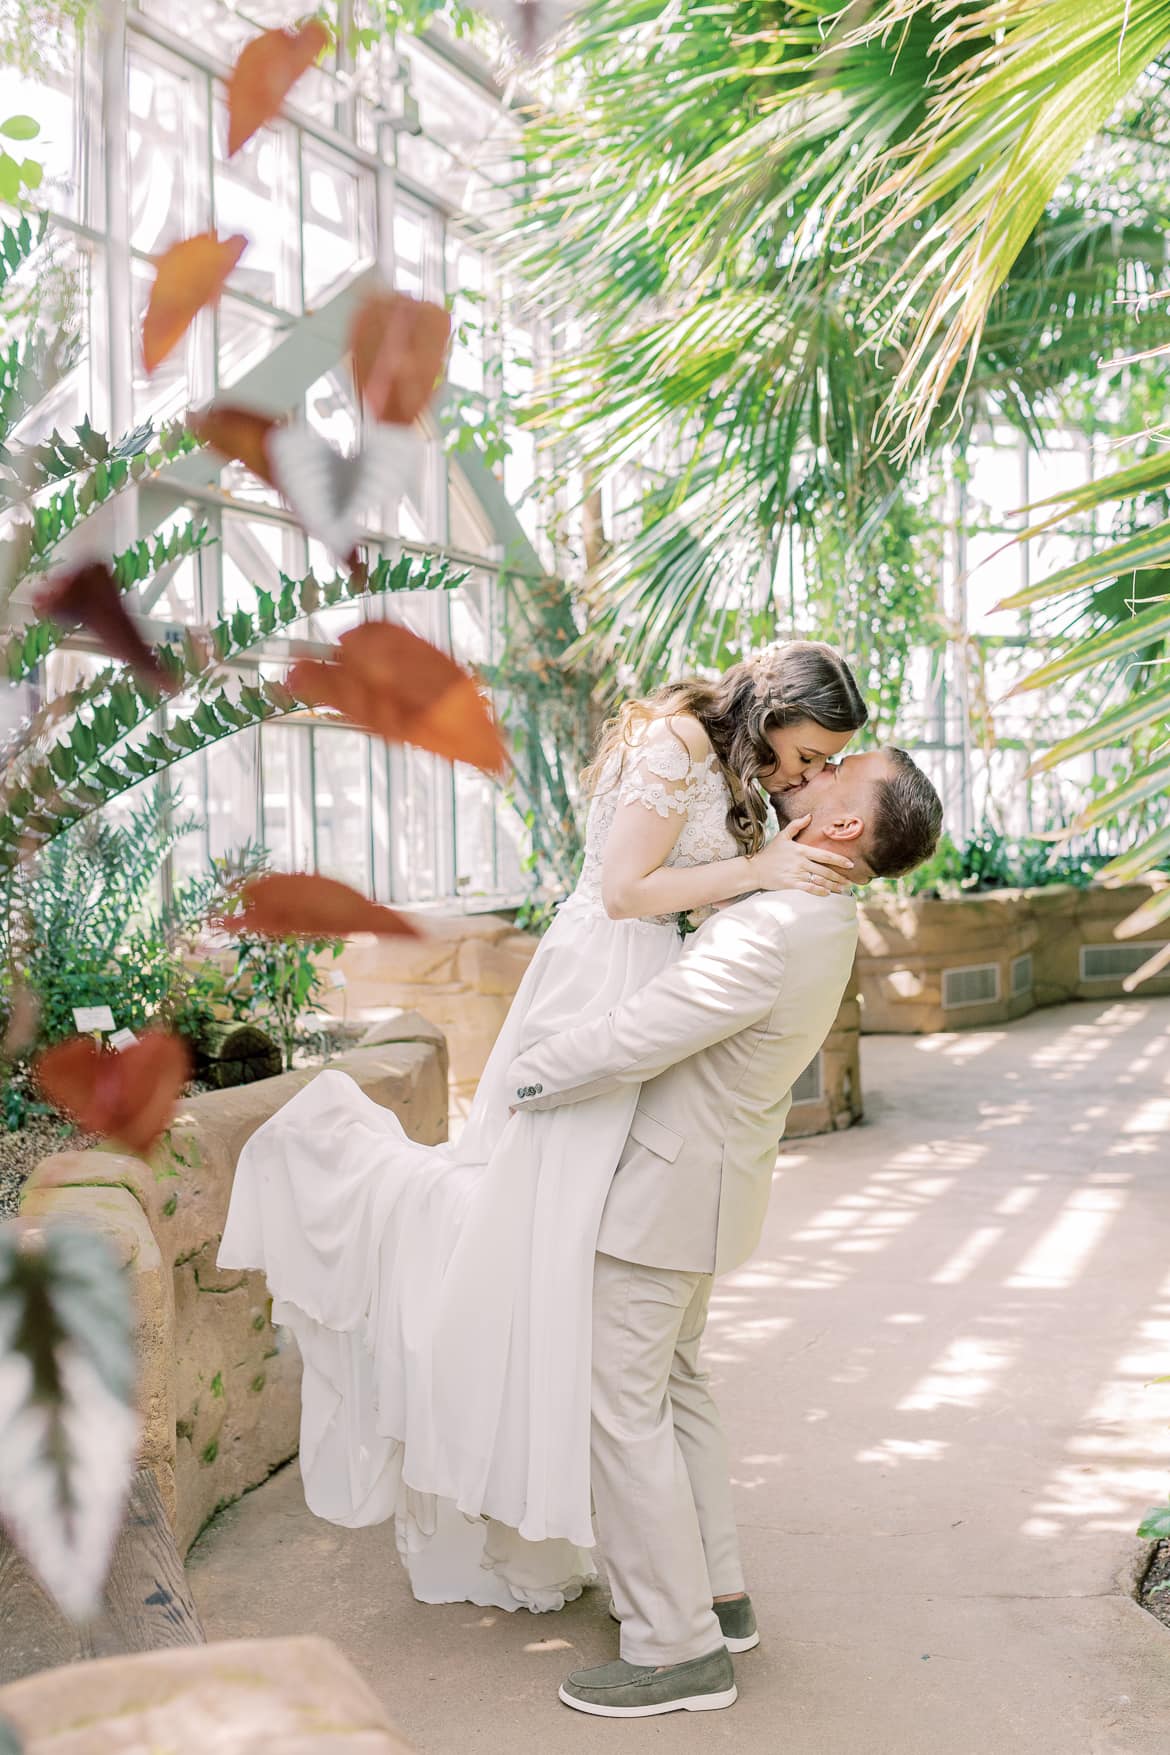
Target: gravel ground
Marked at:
1155, 1591
20, 1152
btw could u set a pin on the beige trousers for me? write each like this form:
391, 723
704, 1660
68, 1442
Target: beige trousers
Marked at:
661, 1492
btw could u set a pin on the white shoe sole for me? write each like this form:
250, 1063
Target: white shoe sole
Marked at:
734, 1646
695, 1703
738, 1645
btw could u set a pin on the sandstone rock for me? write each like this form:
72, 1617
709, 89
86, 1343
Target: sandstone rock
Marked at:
840, 1103
252, 1696
908, 944
219, 1385
237, 1385
403, 1026
495, 967
101, 1169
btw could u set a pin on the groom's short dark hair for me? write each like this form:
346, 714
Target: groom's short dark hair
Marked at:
907, 818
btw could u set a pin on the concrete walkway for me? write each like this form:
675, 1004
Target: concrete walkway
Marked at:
938, 1382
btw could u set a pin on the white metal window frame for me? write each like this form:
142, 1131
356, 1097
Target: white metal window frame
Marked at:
99, 229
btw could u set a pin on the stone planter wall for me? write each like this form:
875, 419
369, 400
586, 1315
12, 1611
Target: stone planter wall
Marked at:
833, 1082
219, 1386
249, 1696
464, 976
927, 964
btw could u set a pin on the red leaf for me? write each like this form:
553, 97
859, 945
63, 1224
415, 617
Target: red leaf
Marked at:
130, 1096
239, 434
89, 597
398, 345
264, 75
389, 681
188, 276
306, 905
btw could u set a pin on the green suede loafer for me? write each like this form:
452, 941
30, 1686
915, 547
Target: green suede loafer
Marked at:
622, 1690
737, 1623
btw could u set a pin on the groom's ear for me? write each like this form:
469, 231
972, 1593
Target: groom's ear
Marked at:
844, 827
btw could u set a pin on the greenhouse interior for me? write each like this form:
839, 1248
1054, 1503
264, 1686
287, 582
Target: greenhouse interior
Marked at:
586, 874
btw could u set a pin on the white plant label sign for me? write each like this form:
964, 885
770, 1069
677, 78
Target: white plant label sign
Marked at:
93, 1017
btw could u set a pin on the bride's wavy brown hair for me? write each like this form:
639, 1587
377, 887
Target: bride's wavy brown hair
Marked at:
803, 679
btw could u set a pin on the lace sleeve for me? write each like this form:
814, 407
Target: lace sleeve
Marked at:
658, 773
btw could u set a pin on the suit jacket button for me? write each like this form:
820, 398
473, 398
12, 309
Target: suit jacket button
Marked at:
537, 1089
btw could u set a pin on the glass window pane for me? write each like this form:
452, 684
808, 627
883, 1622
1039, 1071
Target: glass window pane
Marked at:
255, 553
474, 832
167, 146
246, 336
232, 774
221, 30
287, 816
341, 769
255, 193
470, 315
420, 794
49, 87
186, 375
338, 208
416, 251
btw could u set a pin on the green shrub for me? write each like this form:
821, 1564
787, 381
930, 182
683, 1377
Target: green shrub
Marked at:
991, 861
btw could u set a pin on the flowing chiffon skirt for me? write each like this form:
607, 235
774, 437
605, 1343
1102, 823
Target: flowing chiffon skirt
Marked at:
441, 1295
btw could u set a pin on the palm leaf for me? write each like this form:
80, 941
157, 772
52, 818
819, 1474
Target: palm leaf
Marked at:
1039, 81
1145, 918
1129, 866
1110, 728
1103, 648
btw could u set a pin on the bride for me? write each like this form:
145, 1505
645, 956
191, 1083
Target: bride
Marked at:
441, 1295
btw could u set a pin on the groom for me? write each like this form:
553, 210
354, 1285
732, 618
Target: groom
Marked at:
716, 1043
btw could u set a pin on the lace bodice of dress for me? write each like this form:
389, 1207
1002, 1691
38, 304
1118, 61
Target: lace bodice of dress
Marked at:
659, 774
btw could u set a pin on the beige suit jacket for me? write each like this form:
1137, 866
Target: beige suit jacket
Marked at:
716, 1043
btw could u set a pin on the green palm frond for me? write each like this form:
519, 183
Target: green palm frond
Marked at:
1036, 82
714, 214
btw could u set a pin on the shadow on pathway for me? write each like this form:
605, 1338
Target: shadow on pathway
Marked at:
937, 1377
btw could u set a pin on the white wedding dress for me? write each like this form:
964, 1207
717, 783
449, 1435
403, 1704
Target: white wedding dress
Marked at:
441, 1295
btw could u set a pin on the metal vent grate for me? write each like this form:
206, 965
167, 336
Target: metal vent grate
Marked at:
978, 985
1114, 962
810, 1086
1021, 974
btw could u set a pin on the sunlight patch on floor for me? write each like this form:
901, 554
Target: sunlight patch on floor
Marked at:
961, 1377
1061, 1254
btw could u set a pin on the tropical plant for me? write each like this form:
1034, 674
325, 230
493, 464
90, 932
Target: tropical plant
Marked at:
276, 979
79, 925
85, 926
722, 221
993, 861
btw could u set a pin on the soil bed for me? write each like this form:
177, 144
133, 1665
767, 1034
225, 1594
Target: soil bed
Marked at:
41, 1135
1154, 1594
22, 1151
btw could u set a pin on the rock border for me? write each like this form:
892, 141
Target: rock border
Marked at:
219, 1385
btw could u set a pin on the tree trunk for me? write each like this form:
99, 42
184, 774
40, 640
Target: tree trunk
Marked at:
236, 1054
